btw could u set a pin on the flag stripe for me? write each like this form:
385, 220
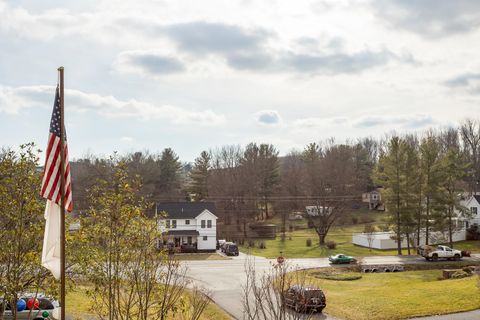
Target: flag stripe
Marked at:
52, 175
50, 159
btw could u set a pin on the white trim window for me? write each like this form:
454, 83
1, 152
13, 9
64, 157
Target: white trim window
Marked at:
205, 238
202, 224
174, 224
187, 222
209, 223
474, 210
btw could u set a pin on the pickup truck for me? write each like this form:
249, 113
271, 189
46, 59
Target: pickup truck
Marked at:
441, 252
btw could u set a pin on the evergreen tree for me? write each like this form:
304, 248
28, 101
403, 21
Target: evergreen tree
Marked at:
200, 175
169, 180
430, 168
261, 168
411, 193
453, 170
390, 175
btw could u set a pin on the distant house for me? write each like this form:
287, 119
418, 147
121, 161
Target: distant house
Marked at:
315, 211
192, 223
374, 199
472, 204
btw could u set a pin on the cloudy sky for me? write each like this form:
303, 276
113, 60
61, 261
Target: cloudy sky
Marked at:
193, 75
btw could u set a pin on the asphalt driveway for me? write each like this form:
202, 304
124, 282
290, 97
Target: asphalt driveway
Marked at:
225, 278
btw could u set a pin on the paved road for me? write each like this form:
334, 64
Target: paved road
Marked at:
225, 278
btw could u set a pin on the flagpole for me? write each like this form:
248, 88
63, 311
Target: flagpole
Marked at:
62, 198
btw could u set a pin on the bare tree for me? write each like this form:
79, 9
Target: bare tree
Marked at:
264, 294
369, 231
470, 132
323, 215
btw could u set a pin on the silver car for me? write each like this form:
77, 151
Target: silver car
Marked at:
47, 309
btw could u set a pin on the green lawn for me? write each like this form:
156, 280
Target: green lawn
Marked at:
294, 245
398, 295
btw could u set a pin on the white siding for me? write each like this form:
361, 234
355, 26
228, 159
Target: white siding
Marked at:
210, 233
196, 224
382, 240
469, 203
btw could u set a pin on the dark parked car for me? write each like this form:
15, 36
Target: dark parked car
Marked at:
231, 249
304, 299
223, 246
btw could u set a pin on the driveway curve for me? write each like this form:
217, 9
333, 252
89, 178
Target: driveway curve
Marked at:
225, 278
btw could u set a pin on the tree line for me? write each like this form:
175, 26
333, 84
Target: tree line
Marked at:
246, 182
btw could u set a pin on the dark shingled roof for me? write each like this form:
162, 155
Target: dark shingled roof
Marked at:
182, 233
185, 210
477, 197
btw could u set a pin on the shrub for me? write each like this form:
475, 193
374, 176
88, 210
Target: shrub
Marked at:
309, 242
460, 274
469, 269
251, 244
354, 220
473, 232
349, 276
331, 244
262, 245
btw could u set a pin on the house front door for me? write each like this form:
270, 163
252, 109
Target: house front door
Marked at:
177, 242
189, 240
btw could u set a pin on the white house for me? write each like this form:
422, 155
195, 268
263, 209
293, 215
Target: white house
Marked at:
374, 199
315, 211
189, 223
472, 203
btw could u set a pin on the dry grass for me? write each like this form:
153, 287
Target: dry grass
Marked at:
398, 295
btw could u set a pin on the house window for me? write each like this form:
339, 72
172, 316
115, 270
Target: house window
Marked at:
203, 223
174, 224
209, 223
473, 210
167, 223
205, 237
187, 221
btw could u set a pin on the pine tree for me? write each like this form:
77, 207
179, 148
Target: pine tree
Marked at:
169, 179
453, 170
390, 175
411, 193
200, 175
431, 179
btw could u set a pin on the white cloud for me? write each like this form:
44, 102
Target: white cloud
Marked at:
268, 117
126, 139
12, 100
406, 121
413, 121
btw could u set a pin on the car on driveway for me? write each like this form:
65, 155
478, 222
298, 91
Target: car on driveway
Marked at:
43, 308
224, 245
341, 258
231, 249
305, 299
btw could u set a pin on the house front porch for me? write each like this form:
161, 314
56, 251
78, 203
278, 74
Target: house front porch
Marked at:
181, 240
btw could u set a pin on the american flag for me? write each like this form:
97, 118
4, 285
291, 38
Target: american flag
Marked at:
51, 173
